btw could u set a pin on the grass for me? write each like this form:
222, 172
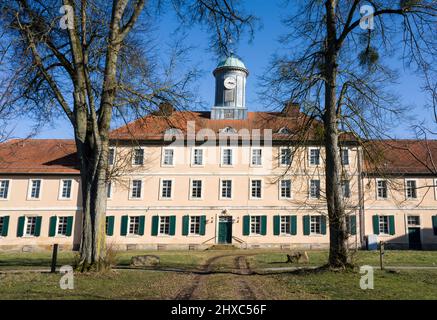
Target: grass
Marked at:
158, 284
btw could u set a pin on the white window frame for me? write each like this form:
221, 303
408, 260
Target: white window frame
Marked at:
260, 225
9, 189
434, 181
109, 197
348, 156
319, 221
280, 189
193, 149
309, 189
388, 225
159, 226
309, 156
280, 157
376, 189
57, 226
29, 190
201, 189
133, 156
413, 225
251, 197
163, 164
221, 187
190, 223
128, 233
61, 188
252, 157
281, 223
161, 185
114, 157
26, 223
416, 189
233, 154
131, 186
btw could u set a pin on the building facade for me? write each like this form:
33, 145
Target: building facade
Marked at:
189, 180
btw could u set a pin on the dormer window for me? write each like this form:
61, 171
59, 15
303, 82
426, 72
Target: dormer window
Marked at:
284, 130
172, 132
228, 130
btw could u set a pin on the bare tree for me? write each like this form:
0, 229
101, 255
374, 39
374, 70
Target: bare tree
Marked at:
334, 67
95, 62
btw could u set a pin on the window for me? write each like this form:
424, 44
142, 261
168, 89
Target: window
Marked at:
345, 188
285, 189
285, 156
196, 189
164, 225
314, 157
4, 189
66, 189
384, 225
411, 189
109, 189
413, 220
195, 225
134, 225
284, 130
316, 225
111, 156
227, 157
255, 186
228, 130
166, 189
168, 157
344, 156
30, 226
256, 157
138, 158
62, 226
285, 225
35, 189
198, 157
255, 224
381, 189
315, 189
226, 189
136, 189
2, 225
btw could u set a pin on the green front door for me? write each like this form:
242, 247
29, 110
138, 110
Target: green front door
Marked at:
225, 230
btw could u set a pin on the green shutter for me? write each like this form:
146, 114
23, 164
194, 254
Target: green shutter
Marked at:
391, 224
306, 225
123, 228
110, 226
172, 225
375, 224
246, 225
155, 223
293, 226
263, 225
202, 225
353, 224
69, 226
141, 227
5, 226
185, 225
38, 226
434, 224
323, 226
20, 227
52, 226
277, 225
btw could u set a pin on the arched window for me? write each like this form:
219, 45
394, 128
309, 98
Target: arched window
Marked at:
228, 130
284, 130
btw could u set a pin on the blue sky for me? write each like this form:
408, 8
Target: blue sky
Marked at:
256, 55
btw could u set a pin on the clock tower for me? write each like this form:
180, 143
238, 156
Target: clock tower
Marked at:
230, 90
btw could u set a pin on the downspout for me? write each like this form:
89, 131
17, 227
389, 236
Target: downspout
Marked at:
361, 197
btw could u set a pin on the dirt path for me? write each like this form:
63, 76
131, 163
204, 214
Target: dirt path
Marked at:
243, 269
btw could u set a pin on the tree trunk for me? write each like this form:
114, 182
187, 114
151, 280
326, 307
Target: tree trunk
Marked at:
338, 250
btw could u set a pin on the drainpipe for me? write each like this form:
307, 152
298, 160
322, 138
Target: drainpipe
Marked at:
361, 196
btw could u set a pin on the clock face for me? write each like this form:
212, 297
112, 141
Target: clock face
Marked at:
230, 83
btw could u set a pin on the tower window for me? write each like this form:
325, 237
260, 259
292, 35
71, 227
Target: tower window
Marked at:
229, 95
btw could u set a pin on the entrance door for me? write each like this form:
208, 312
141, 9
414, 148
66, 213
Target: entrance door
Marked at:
225, 230
414, 238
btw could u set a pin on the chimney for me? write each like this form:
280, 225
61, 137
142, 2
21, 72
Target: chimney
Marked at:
291, 109
165, 109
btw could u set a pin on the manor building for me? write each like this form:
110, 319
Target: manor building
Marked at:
189, 180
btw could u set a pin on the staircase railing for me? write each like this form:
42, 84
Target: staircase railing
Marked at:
208, 240
241, 241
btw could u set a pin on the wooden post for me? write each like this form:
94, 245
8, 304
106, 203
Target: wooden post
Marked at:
381, 254
54, 258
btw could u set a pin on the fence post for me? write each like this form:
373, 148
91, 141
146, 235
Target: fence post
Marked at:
381, 254
54, 258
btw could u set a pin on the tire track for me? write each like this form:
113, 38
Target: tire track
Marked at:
243, 269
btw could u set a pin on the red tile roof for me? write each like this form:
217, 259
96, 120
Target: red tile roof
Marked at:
38, 156
401, 157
